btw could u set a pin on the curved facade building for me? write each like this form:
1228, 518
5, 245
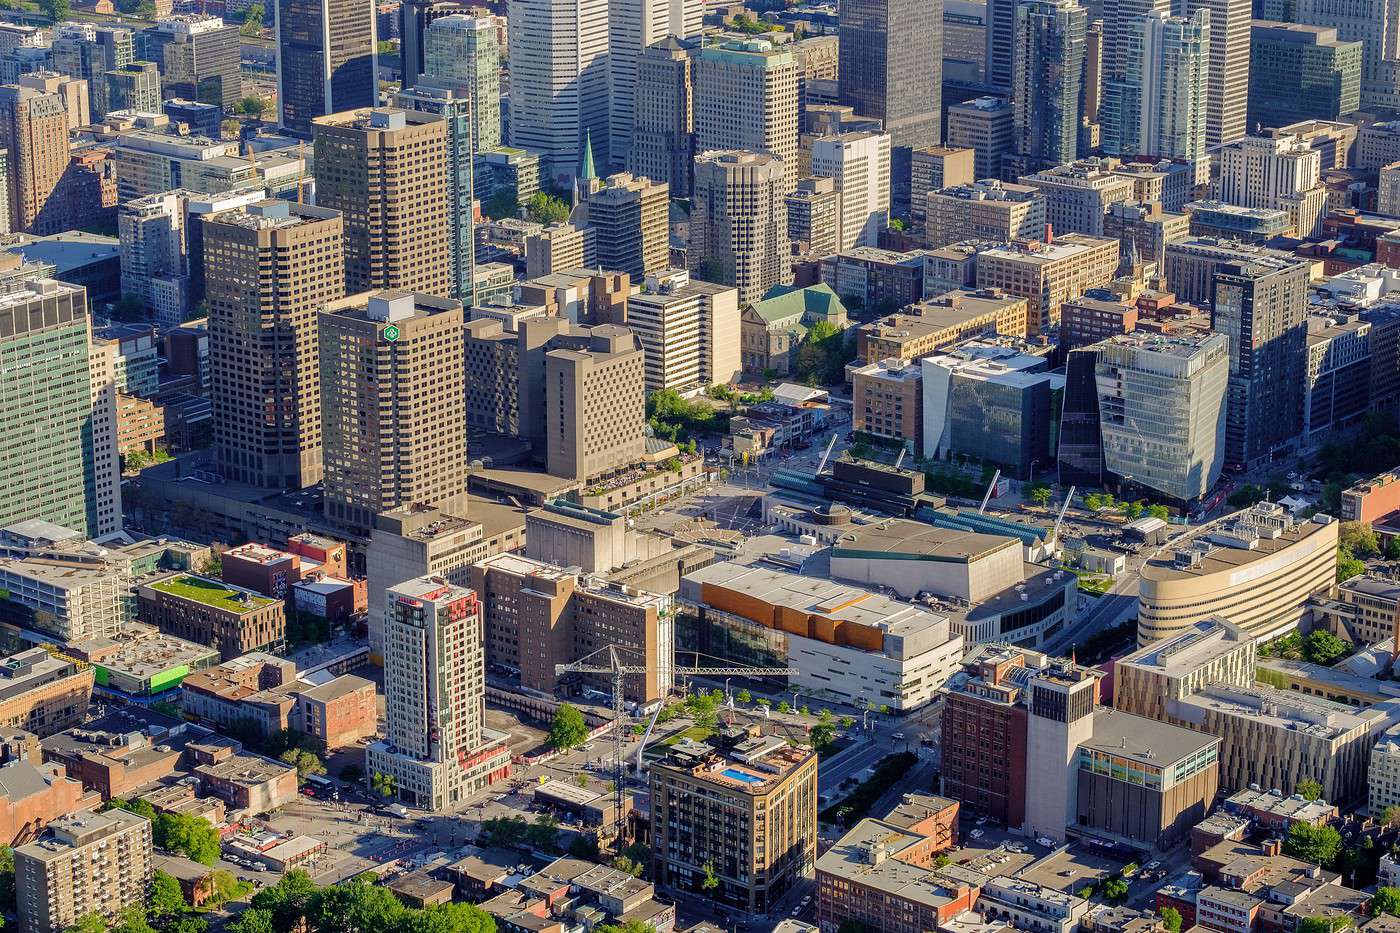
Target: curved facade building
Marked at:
1255, 569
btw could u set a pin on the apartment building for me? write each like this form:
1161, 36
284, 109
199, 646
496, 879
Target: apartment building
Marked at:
812, 211
934, 168
208, 612
85, 863
738, 225
859, 164
983, 210
34, 134
689, 331
887, 401
1048, 273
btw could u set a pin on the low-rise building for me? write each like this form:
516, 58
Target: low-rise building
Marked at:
32, 795
877, 278
569, 889
1276, 814
231, 618
773, 329
887, 401
940, 322
248, 783
141, 662
114, 756
1047, 274
43, 693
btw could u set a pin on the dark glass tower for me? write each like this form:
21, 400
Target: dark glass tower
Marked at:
326, 59
1048, 75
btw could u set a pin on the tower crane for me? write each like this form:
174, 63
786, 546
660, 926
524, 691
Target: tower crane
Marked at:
608, 661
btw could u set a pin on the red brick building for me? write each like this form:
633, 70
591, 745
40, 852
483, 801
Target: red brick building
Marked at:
984, 741
32, 795
339, 712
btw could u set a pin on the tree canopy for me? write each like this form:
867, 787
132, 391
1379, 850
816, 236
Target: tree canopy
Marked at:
1317, 844
569, 730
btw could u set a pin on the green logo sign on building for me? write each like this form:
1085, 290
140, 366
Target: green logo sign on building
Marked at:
391, 333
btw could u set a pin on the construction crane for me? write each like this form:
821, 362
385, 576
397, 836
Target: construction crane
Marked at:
990, 488
829, 444
608, 661
1055, 532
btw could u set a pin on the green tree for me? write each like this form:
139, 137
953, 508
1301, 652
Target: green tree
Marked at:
1359, 538
584, 847
132, 919
385, 785
822, 736
1385, 901
568, 729
306, 762
252, 20
165, 901
943, 860
7, 878
446, 918
1348, 566
252, 105
631, 926
187, 924
1390, 816
56, 10
92, 922
1114, 890
225, 887
847, 722
546, 209
287, 901
191, 836
1132, 510
1317, 844
784, 706
1323, 648
354, 907
743, 696
1162, 512
504, 203
253, 920
1310, 789
1040, 494
623, 863
1171, 919
1323, 924
711, 879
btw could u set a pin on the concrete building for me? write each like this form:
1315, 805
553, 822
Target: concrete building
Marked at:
86, 51
84, 863
198, 58
859, 163
1094, 317
746, 98
595, 405
1280, 172
36, 794
630, 224
42, 693
34, 134
1361, 611
738, 223
986, 126
689, 331
633, 28
73, 92
538, 615
1162, 411
933, 168
984, 210
1146, 226
436, 745
941, 322
662, 146
208, 612
1059, 719
812, 213
316, 75
1301, 72
244, 286
385, 171
1077, 196
1338, 388
133, 87
1211, 651
248, 784
1383, 773
392, 406
559, 247
1046, 274
749, 810
1256, 569
883, 279
849, 644
559, 84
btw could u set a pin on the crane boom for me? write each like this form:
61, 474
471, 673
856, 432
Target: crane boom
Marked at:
1055, 532
829, 444
990, 486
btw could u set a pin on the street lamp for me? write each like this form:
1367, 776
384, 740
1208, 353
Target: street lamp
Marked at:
727, 698
1034, 464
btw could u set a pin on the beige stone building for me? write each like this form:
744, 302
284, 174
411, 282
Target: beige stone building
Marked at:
85, 863
34, 133
738, 222
1046, 274
492, 366
1212, 651
1078, 195
812, 211
940, 322
983, 210
631, 232
595, 405
393, 406
385, 170
888, 401
746, 98
269, 269
935, 168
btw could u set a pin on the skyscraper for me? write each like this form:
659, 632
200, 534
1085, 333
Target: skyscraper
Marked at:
746, 98
1227, 94
133, 86
198, 57
559, 83
34, 131
1261, 305
663, 118
1157, 106
1301, 73
51, 456
633, 26
595, 404
891, 68
629, 217
327, 59
1375, 24
738, 222
393, 404
269, 270
1001, 45
385, 170
463, 50
452, 102
1049, 67
859, 163
436, 745
82, 50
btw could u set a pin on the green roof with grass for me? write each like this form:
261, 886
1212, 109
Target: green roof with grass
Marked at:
212, 593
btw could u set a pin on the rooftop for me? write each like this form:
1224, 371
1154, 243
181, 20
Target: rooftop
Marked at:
1236, 541
1282, 709
214, 593
869, 855
901, 539
1143, 740
754, 766
1196, 647
1041, 253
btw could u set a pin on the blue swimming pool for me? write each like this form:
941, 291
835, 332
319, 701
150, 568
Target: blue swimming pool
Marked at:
738, 775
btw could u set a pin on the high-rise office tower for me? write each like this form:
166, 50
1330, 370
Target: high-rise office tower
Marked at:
72, 91
1376, 25
1049, 68
393, 418
452, 102
436, 745
327, 59
85, 51
415, 16
738, 222
198, 57
559, 84
385, 170
633, 26
1261, 305
34, 132
1000, 45
859, 163
1091, 94
105, 477
1120, 17
463, 50
595, 405
51, 457
813, 211
746, 98
1301, 73
985, 125
84, 863
133, 86
891, 68
1228, 91
629, 217
269, 269
663, 117
1157, 106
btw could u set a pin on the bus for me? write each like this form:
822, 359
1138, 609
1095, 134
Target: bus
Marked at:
322, 787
